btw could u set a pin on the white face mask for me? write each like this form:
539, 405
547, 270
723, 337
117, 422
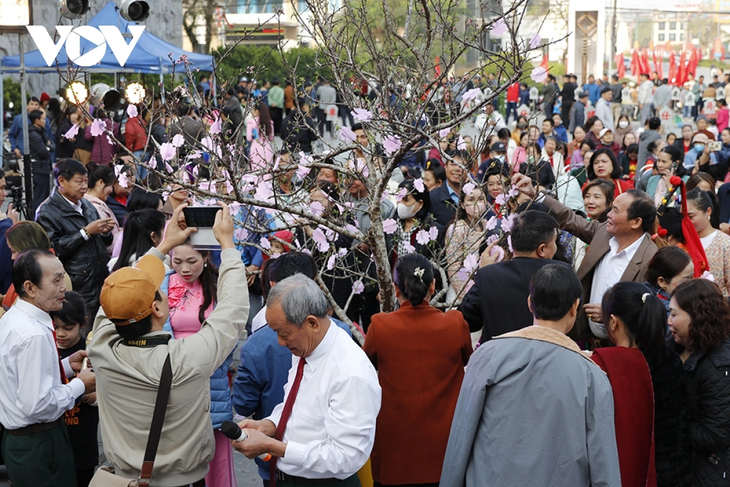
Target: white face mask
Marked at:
623, 124
405, 212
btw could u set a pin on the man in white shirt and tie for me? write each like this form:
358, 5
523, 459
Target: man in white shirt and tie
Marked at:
325, 428
34, 394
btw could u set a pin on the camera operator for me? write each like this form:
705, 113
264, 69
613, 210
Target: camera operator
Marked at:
6, 221
40, 147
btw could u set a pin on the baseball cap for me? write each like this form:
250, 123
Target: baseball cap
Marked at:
128, 293
498, 147
603, 132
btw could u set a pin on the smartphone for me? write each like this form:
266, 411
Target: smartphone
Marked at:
714, 145
200, 216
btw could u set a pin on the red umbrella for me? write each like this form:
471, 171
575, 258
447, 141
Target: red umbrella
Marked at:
620, 66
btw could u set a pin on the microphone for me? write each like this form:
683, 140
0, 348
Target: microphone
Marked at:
235, 433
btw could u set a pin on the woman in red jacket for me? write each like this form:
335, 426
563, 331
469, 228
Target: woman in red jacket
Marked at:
420, 354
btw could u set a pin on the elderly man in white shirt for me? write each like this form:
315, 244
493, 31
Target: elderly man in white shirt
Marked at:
34, 390
325, 429
645, 97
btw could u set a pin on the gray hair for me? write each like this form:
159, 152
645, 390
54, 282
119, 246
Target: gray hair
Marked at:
300, 297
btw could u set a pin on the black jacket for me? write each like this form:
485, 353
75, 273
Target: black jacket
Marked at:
40, 149
442, 206
119, 210
497, 302
84, 260
709, 415
298, 132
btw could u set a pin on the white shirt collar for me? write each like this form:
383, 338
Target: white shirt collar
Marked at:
34, 312
76, 206
319, 353
629, 251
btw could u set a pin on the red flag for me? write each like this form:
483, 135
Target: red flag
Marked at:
645, 62
682, 72
693, 245
635, 64
692, 66
544, 64
620, 66
658, 64
437, 67
673, 69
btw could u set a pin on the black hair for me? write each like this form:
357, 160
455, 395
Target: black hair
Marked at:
550, 121
642, 207
668, 262
413, 276
589, 143
605, 90
34, 98
615, 172
695, 180
73, 311
100, 172
654, 123
27, 268
532, 229
704, 200
671, 221
264, 278
553, 291
2, 173
633, 148
68, 168
677, 156
651, 146
328, 188
35, 115
291, 263
140, 199
137, 240
208, 281
439, 173
641, 312
423, 196
356, 126
138, 328
461, 154
504, 133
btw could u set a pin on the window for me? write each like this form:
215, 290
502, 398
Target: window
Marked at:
672, 26
681, 36
681, 26
672, 37
259, 6
661, 37
661, 25
302, 6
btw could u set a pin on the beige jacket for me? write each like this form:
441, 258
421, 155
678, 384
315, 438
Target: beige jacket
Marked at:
127, 379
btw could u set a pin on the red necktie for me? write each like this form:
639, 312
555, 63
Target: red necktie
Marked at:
64, 379
285, 416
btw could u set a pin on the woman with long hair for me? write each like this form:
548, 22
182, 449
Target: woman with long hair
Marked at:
101, 183
668, 164
702, 210
604, 165
260, 134
420, 353
699, 321
191, 288
645, 405
143, 230
670, 267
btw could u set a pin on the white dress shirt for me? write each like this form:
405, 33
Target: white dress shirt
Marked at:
30, 380
608, 272
331, 429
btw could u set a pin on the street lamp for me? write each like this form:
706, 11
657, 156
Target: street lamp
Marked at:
135, 10
74, 9
77, 93
135, 93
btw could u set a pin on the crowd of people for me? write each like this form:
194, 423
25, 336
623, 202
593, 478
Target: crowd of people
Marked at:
584, 263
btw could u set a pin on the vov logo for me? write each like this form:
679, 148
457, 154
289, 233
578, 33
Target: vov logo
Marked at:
71, 37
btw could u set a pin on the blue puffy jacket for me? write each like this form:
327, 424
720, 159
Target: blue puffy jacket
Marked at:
221, 407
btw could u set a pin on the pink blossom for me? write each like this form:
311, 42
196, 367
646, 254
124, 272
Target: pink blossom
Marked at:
316, 208
331, 262
499, 27
390, 226
264, 243
178, 140
97, 127
132, 111
240, 234
508, 222
152, 162
321, 240
168, 168
509, 243
347, 134
263, 192
408, 247
461, 143
468, 188
401, 194
72, 132
471, 262
362, 114
539, 74
535, 41
234, 207
358, 287
423, 237
391, 144
302, 171
229, 187
513, 191
167, 151
418, 184
499, 251
444, 132
492, 223
352, 228
708, 275
471, 94
205, 185
215, 127
433, 232
500, 199
123, 180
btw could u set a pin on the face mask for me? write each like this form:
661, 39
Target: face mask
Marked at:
405, 212
623, 124
699, 147
476, 211
522, 126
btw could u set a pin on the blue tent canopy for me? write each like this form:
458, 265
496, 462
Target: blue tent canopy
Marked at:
150, 55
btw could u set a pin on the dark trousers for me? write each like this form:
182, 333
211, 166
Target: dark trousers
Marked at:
276, 114
565, 112
41, 190
322, 122
378, 484
42, 459
353, 481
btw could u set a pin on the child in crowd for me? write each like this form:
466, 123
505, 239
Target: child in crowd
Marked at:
277, 247
81, 421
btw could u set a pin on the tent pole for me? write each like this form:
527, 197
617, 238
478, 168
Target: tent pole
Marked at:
2, 112
27, 175
214, 87
162, 84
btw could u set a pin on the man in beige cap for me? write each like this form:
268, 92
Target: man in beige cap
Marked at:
129, 348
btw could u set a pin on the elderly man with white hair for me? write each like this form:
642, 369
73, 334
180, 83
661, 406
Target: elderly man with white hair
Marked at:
325, 429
